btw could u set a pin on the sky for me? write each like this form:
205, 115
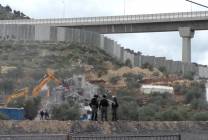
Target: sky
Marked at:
164, 44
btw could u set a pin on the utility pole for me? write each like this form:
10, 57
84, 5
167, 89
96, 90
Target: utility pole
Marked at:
124, 7
63, 2
197, 3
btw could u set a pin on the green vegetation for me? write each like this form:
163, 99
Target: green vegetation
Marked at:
128, 63
133, 80
189, 75
3, 117
67, 111
31, 60
147, 66
7, 13
200, 116
163, 107
163, 70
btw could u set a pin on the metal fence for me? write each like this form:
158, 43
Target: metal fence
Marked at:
90, 137
128, 137
35, 137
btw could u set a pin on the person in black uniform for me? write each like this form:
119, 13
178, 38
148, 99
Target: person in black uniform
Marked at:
94, 106
41, 115
104, 108
114, 107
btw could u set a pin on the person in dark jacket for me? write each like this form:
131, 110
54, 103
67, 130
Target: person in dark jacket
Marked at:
114, 107
104, 108
46, 115
41, 115
94, 106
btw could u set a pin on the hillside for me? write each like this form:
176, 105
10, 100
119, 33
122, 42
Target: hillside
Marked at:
7, 13
30, 60
23, 64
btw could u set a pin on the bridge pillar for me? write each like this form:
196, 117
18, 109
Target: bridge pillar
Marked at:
186, 33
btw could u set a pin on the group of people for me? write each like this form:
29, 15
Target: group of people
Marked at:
103, 105
44, 115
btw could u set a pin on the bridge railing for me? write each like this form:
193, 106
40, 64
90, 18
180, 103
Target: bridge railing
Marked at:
181, 16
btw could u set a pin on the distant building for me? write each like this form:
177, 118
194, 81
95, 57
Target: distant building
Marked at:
148, 89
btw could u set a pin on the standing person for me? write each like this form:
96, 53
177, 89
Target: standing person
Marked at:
94, 106
46, 115
114, 107
104, 108
41, 115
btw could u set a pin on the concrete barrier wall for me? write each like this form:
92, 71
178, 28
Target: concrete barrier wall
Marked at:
203, 71
147, 59
50, 33
137, 60
117, 51
128, 56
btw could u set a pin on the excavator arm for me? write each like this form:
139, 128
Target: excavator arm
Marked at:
20, 93
47, 77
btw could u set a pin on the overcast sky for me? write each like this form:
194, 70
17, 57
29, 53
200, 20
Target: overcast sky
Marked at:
166, 44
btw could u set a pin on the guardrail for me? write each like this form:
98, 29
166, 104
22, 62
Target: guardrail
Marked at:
35, 137
161, 17
127, 137
90, 137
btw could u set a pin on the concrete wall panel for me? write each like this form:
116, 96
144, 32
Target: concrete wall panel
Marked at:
61, 34
128, 55
42, 32
53, 34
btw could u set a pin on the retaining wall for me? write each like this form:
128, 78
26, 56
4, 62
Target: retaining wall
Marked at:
50, 33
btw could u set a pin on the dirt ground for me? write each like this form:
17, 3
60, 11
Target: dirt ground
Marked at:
98, 127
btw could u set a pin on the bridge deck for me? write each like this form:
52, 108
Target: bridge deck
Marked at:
109, 20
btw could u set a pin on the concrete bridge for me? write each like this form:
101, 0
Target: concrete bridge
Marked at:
184, 22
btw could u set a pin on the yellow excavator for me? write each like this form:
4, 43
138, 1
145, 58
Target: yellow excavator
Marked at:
36, 91
47, 77
16, 94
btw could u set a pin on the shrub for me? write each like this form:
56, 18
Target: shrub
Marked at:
162, 99
147, 66
147, 113
128, 63
133, 80
3, 117
189, 75
31, 107
115, 79
180, 89
198, 104
66, 111
200, 116
127, 109
169, 115
195, 91
163, 69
